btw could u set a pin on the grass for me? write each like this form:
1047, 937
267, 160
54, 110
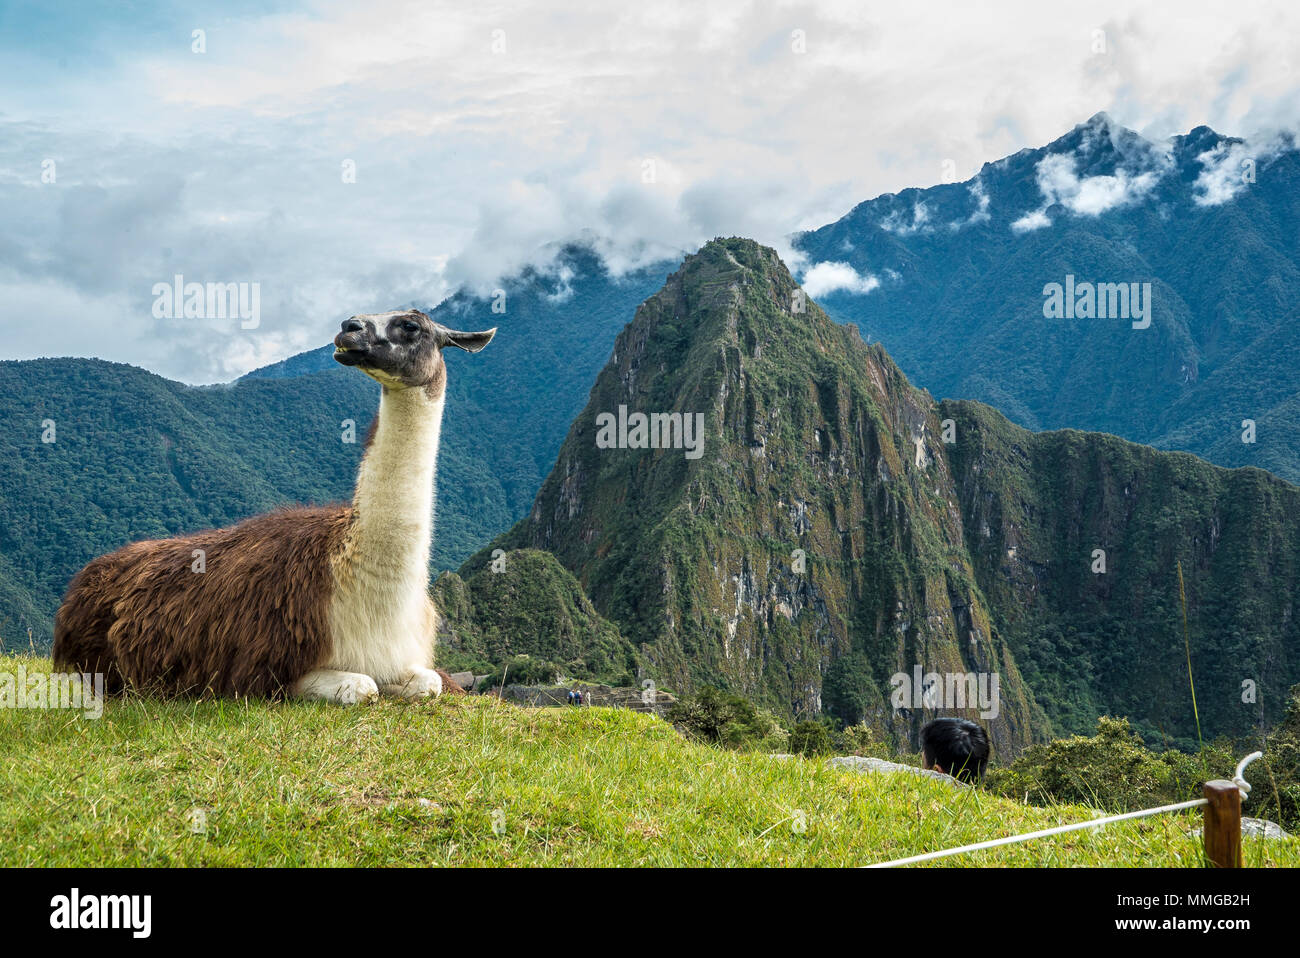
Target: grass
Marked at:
471, 781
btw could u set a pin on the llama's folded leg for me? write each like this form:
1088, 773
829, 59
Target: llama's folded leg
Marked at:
420, 683
345, 688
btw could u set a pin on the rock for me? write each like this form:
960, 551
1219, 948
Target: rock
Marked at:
1257, 828
464, 679
857, 763
1262, 828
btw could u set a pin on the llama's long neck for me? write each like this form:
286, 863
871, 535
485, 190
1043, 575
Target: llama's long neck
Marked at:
394, 497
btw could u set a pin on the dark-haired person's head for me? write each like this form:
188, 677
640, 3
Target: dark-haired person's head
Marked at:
955, 746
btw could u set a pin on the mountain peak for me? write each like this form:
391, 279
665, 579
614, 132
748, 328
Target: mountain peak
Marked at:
738, 252
1100, 120
1102, 145
1200, 140
801, 438
723, 274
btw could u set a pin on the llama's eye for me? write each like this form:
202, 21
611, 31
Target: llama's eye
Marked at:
411, 327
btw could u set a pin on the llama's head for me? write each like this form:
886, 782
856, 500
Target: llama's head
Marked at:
402, 349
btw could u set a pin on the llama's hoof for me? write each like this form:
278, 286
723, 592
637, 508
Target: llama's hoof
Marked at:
357, 690
422, 684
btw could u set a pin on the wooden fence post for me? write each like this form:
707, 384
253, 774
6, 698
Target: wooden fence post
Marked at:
1222, 830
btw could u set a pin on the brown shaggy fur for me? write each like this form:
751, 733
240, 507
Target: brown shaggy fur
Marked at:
252, 624
449, 684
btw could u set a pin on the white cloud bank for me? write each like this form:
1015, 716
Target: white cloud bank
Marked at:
1035, 220
1229, 168
1059, 182
655, 127
823, 278
905, 226
1225, 173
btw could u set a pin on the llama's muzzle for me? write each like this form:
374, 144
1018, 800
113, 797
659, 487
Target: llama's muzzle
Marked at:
352, 344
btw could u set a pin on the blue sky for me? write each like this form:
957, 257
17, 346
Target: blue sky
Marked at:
483, 132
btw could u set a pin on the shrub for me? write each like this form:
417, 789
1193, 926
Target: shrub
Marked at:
862, 740
727, 719
1275, 791
812, 739
456, 661
1111, 770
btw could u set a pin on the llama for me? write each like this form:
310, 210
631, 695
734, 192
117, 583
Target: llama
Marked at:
324, 603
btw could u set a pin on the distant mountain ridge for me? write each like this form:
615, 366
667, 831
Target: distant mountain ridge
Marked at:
956, 274
138, 456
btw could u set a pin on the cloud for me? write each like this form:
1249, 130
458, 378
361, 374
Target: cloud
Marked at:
1035, 220
1223, 173
824, 278
1142, 165
89, 247
564, 290
902, 226
646, 129
981, 212
981, 200
1230, 167
1059, 182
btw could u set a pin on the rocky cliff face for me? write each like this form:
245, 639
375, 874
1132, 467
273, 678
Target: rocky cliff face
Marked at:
1077, 541
826, 527
818, 518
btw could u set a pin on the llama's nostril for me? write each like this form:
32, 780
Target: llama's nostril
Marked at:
352, 326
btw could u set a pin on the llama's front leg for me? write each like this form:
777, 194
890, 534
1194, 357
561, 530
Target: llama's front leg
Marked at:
332, 685
420, 683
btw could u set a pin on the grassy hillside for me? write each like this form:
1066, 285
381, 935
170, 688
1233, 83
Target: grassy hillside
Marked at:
419, 785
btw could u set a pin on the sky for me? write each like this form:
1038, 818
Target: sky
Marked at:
354, 157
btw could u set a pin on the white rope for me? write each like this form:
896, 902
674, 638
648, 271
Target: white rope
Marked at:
1243, 787
1060, 829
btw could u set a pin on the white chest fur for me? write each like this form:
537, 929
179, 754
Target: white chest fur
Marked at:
380, 615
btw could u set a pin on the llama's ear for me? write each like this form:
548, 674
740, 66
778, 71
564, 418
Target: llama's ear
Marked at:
470, 342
